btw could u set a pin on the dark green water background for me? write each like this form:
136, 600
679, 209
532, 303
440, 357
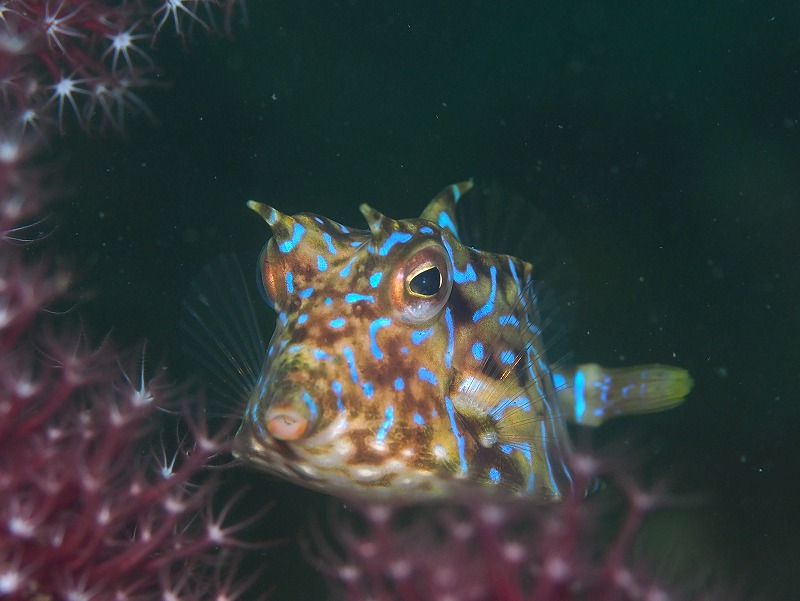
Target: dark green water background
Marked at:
662, 141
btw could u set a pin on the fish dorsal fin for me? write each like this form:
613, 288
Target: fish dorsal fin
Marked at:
442, 209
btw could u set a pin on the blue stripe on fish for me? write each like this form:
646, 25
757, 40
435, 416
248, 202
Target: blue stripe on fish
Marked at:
376, 325
297, 234
489, 306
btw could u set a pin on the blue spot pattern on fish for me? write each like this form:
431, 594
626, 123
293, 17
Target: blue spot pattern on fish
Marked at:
408, 365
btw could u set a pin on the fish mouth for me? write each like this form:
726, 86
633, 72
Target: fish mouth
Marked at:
255, 444
287, 423
284, 411
258, 448
276, 459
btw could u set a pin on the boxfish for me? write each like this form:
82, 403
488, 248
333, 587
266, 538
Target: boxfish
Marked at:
408, 365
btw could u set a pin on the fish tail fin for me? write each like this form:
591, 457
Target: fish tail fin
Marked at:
590, 394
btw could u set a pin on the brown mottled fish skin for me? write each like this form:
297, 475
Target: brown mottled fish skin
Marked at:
407, 366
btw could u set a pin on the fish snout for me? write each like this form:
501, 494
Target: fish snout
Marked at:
287, 408
292, 414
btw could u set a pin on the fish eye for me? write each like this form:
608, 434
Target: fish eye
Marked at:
272, 277
421, 283
425, 281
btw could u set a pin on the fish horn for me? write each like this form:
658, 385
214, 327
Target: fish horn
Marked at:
268, 214
286, 230
442, 209
374, 218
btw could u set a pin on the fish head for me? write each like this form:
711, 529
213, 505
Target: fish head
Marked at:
343, 401
403, 362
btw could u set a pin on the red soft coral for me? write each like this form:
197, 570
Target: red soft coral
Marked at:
484, 551
92, 506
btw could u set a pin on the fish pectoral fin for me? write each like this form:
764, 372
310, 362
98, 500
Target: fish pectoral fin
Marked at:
590, 394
